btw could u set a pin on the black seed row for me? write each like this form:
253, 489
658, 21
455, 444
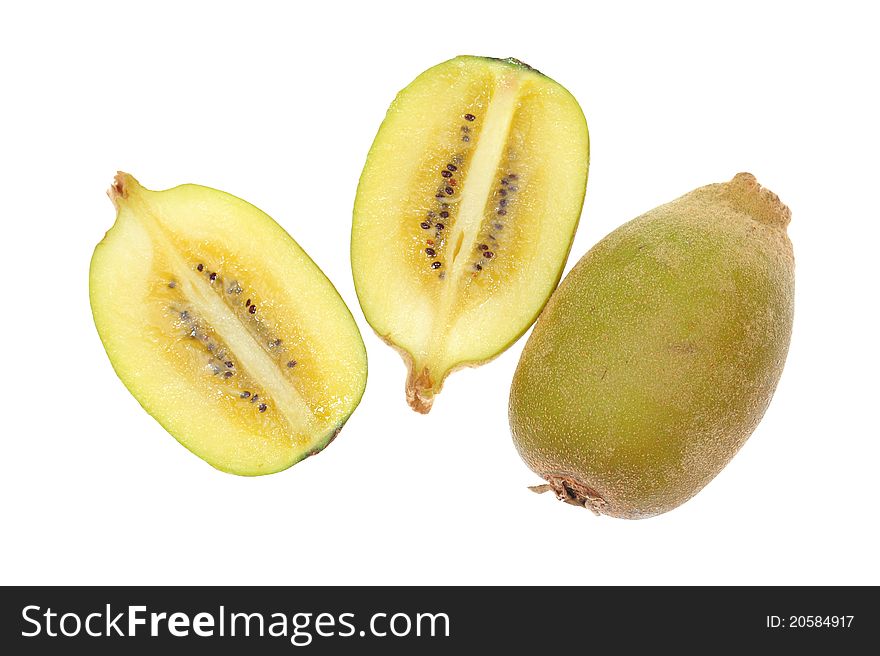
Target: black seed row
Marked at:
446, 190
217, 356
262, 407
465, 130
505, 190
234, 288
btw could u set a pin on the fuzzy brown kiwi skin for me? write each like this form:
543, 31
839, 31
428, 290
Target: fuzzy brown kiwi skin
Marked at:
558, 434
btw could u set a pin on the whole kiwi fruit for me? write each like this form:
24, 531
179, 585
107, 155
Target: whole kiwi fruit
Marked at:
658, 354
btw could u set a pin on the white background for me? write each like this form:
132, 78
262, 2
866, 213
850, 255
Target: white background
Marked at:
278, 104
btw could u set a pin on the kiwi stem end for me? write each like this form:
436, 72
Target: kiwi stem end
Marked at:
119, 189
420, 390
572, 492
745, 192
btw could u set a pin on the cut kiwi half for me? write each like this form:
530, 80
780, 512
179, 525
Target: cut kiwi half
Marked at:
222, 327
465, 213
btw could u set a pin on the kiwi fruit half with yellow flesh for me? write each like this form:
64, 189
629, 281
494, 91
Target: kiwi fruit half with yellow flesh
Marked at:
657, 356
465, 213
222, 327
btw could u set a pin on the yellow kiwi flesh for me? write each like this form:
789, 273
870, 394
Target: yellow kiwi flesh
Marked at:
222, 327
465, 213
659, 353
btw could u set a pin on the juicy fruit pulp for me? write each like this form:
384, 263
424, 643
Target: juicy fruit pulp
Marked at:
657, 356
223, 328
465, 213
